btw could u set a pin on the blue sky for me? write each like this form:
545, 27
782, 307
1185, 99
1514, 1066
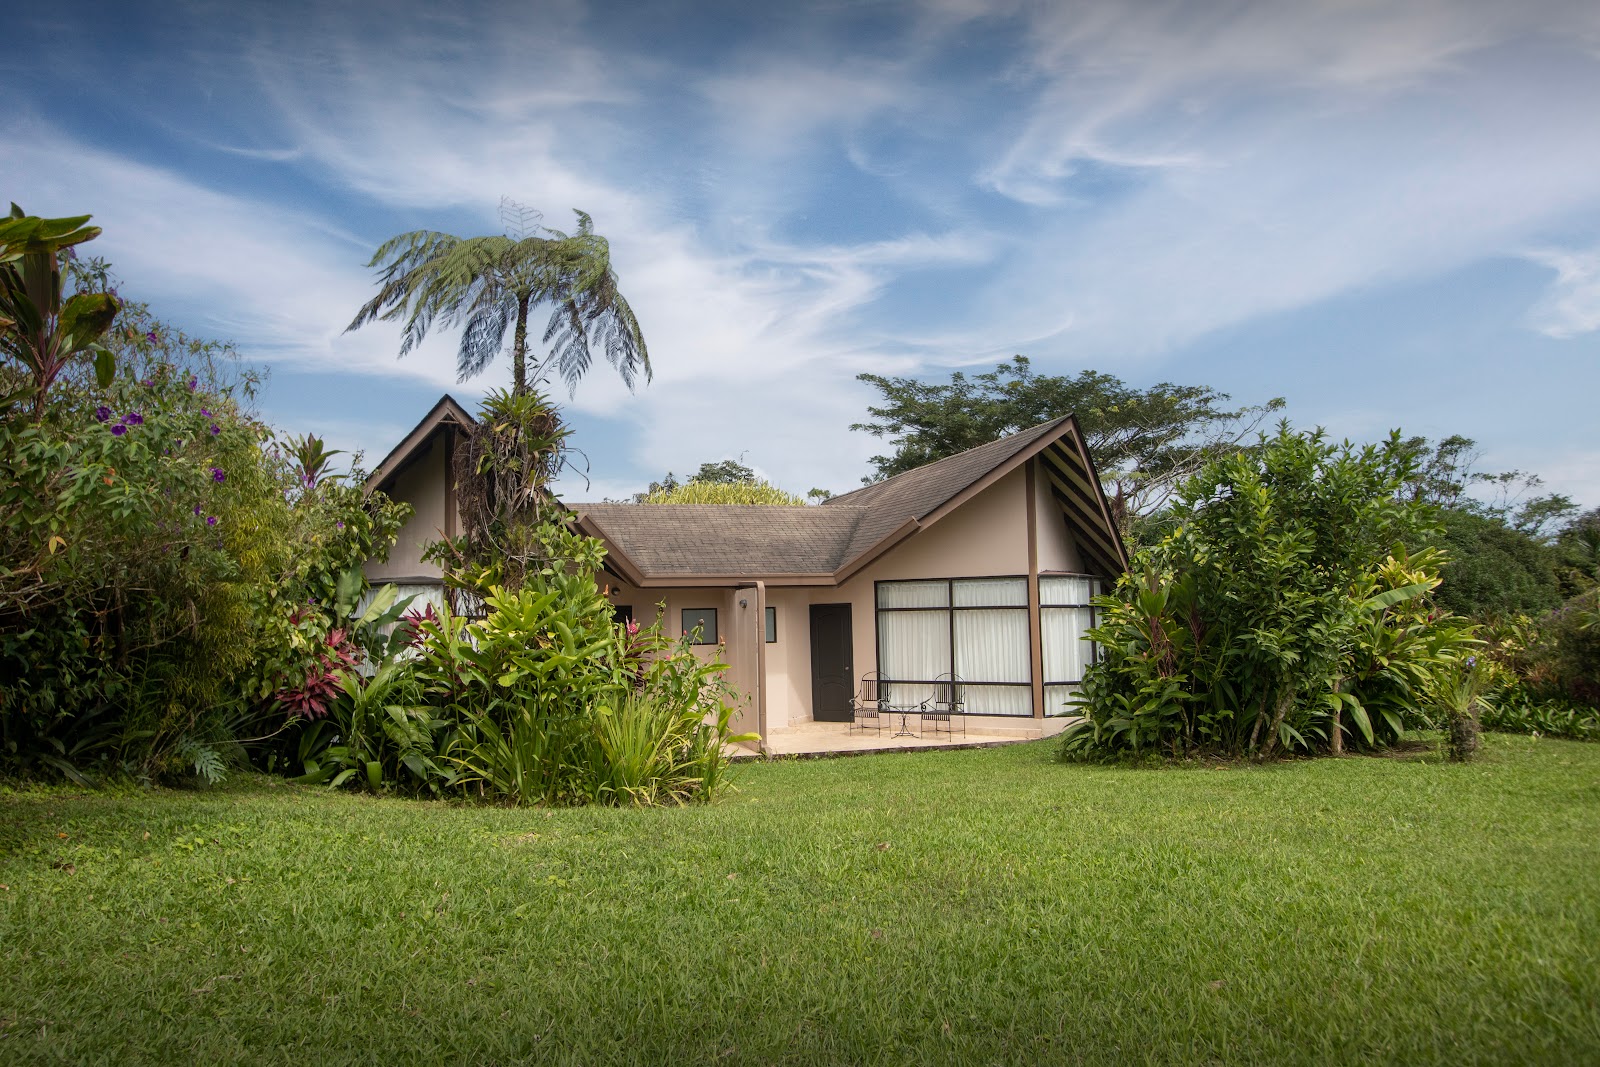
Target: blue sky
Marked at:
1387, 213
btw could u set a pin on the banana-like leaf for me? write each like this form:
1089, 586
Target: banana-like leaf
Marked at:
1359, 714
1392, 597
348, 591
86, 316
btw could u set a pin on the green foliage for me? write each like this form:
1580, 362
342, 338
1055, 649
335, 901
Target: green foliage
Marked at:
488, 285
1282, 611
698, 492
1144, 441
162, 566
557, 704
1519, 712
1494, 569
39, 329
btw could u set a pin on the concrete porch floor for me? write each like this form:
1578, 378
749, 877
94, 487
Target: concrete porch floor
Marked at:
837, 739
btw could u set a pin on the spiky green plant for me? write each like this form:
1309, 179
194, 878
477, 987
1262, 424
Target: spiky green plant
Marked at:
488, 285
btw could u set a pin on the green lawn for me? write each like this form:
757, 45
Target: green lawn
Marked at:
977, 906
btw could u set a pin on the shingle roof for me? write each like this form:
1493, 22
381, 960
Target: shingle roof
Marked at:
728, 539
706, 540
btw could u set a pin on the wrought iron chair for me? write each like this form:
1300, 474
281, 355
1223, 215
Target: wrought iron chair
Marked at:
946, 706
866, 706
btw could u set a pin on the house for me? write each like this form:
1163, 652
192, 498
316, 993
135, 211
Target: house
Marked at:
980, 565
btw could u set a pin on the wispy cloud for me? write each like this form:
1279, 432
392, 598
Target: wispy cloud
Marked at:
1572, 306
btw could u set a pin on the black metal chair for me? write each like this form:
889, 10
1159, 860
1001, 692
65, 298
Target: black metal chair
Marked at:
866, 707
946, 706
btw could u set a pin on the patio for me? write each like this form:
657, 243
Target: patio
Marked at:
818, 739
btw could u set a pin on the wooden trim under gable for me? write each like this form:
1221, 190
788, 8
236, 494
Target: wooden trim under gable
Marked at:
446, 410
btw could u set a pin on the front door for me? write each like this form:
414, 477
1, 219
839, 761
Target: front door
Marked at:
832, 672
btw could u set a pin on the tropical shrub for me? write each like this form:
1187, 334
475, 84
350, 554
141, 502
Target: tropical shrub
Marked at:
1282, 613
162, 564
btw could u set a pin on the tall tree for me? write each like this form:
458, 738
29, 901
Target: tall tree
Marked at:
1145, 441
489, 285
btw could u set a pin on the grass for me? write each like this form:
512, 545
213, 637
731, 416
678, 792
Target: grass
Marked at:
959, 907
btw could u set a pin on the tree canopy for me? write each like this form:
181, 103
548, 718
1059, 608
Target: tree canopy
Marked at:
1144, 441
488, 285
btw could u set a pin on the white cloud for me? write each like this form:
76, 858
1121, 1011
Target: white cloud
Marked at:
1572, 306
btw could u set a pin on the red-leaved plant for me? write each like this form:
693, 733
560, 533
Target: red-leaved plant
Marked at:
311, 700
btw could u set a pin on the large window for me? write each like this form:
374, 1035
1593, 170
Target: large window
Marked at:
1064, 615
974, 628
977, 630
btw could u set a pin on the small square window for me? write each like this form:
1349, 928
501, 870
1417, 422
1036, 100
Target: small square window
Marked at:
622, 614
772, 625
704, 619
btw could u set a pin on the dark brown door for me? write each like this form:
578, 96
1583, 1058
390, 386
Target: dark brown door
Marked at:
832, 673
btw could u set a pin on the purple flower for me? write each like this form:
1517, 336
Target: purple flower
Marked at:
152, 336
148, 382
133, 418
211, 520
118, 430
217, 475
180, 443
1472, 661
204, 413
197, 509
194, 383
102, 413
338, 526
214, 430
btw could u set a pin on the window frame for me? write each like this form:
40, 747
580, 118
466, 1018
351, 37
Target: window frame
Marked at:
770, 625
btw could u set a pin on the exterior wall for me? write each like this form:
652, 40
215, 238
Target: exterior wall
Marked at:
1058, 551
422, 485
986, 537
737, 630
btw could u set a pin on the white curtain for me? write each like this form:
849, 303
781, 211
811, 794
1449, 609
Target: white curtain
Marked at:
1055, 700
991, 592
997, 699
914, 594
992, 645
1067, 591
914, 647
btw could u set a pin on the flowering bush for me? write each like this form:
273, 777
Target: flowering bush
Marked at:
153, 561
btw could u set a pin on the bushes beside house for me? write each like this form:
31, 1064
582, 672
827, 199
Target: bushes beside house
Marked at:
1284, 613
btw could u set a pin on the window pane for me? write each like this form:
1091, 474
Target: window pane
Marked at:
991, 592
915, 647
1055, 701
992, 645
913, 594
1067, 591
772, 625
706, 619
1066, 653
997, 699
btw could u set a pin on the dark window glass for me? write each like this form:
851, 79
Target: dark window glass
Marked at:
772, 625
705, 619
622, 613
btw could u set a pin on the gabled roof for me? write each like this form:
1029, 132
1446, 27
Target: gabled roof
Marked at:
665, 544
447, 412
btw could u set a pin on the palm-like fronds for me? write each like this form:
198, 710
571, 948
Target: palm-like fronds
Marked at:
487, 285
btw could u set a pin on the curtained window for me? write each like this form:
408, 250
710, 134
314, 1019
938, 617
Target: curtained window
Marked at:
974, 628
1064, 615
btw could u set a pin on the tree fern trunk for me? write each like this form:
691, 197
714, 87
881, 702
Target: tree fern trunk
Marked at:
519, 350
